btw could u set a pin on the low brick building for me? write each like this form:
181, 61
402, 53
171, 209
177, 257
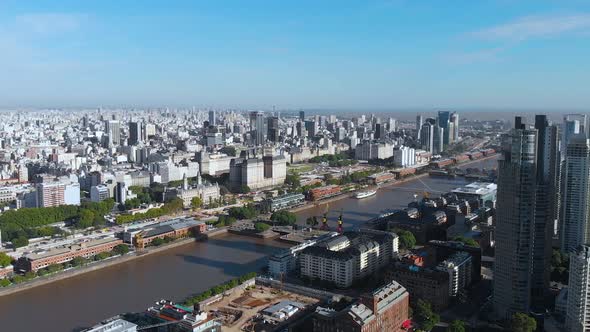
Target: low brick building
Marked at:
41, 259
175, 229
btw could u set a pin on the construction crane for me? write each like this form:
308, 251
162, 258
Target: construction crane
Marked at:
340, 222
325, 219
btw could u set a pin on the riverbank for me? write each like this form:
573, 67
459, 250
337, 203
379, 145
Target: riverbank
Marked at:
407, 179
40, 281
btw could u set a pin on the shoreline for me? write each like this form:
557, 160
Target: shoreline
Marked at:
41, 281
385, 185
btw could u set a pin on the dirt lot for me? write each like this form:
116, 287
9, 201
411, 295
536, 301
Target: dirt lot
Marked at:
247, 304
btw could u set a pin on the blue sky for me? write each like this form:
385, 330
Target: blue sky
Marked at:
382, 54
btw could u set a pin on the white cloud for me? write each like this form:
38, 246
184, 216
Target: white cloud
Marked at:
483, 55
536, 27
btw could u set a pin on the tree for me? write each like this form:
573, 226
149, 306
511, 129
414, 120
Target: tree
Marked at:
425, 316
406, 238
521, 322
261, 227
244, 189
466, 241
86, 219
157, 242
284, 218
4, 282
228, 150
132, 203
20, 241
5, 260
293, 180
456, 326
121, 249
196, 202
78, 261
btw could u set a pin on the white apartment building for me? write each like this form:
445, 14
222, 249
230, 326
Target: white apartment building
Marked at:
356, 255
578, 296
458, 266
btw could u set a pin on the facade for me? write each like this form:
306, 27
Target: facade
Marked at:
459, 268
578, 295
42, 259
207, 192
99, 193
135, 133
285, 201
324, 192
51, 194
385, 309
446, 249
427, 137
176, 229
358, 255
214, 164
257, 128
404, 157
373, 150
517, 172
427, 284
575, 226
257, 173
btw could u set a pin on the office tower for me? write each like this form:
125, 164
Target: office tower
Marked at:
392, 125
427, 137
380, 131
574, 228
546, 209
582, 120
257, 127
443, 122
301, 116
212, 118
517, 171
419, 122
438, 139
311, 127
113, 130
136, 134
455, 121
273, 128
578, 294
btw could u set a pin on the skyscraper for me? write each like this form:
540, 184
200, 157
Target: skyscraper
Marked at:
444, 118
546, 209
135, 132
257, 129
517, 171
575, 227
301, 116
419, 122
455, 121
273, 128
438, 145
427, 137
113, 130
212, 118
578, 295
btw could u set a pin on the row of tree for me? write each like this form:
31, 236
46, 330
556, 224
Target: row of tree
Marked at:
219, 289
173, 206
20, 225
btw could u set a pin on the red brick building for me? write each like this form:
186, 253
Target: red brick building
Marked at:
385, 309
42, 259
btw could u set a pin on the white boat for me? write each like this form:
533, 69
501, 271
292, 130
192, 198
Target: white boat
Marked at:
365, 194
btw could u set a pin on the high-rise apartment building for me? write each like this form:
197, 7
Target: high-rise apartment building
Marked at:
455, 121
546, 207
578, 295
419, 123
574, 228
444, 118
517, 170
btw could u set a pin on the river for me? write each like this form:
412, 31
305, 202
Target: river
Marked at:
82, 301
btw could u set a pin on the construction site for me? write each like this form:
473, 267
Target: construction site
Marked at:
258, 308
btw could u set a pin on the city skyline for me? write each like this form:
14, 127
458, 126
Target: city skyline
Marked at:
332, 55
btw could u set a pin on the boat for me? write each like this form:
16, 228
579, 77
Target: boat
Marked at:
365, 194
